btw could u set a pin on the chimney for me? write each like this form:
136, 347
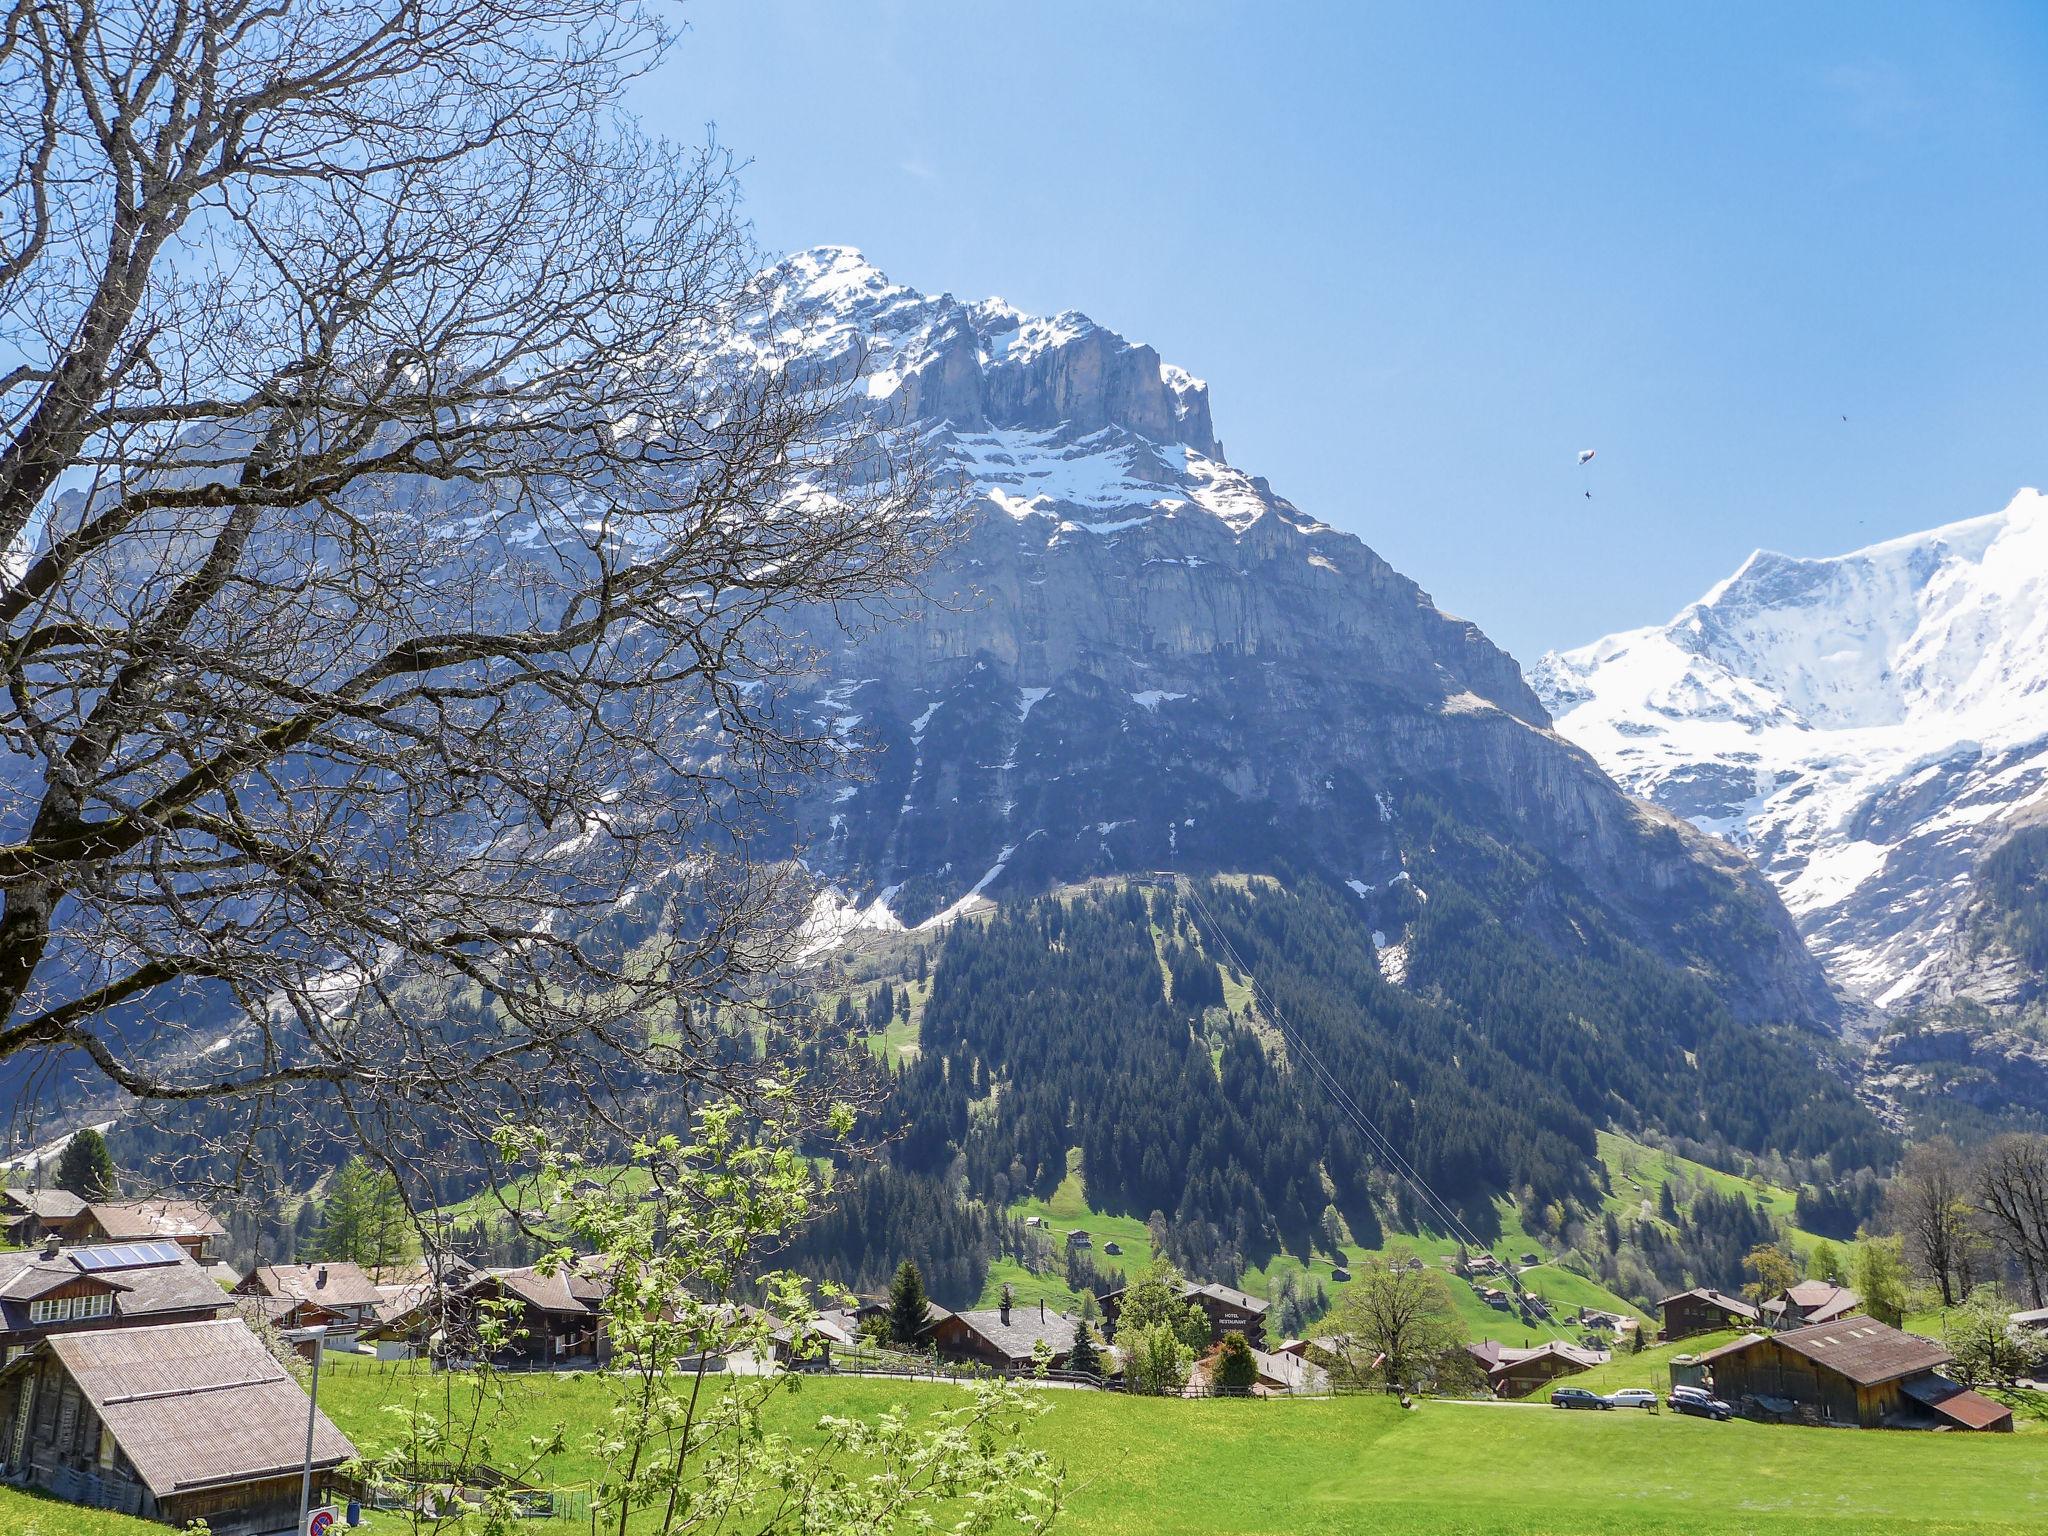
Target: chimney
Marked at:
1041, 1309
320, 1279
1006, 1308
52, 1244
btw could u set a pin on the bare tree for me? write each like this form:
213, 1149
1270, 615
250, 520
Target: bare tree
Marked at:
1929, 1206
398, 525
2012, 1195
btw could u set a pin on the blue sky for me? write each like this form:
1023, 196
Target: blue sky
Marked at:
1422, 262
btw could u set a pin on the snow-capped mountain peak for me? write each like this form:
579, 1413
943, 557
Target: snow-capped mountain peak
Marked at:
1866, 723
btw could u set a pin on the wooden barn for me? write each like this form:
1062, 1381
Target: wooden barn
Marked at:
27, 1216
1704, 1310
179, 1423
1521, 1372
1853, 1371
1005, 1337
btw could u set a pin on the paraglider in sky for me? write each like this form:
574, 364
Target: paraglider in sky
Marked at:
1585, 454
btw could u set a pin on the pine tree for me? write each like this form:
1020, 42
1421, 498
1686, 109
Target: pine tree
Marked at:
363, 1220
1085, 1357
908, 1309
86, 1168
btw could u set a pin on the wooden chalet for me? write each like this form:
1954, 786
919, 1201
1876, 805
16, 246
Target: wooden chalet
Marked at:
1853, 1371
1520, 1372
1228, 1311
1705, 1310
178, 1423
1005, 1337
27, 1216
555, 1320
185, 1222
1809, 1302
343, 1291
55, 1290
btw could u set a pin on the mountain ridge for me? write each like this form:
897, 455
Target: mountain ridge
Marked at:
1867, 725
1139, 656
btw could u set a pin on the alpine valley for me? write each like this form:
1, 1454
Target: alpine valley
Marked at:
1206, 891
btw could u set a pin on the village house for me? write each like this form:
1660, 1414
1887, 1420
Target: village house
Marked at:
27, 1216
1704, 1310
1809, 1302
2035, 1321
178, 1423
1282, 1373
1005, 1337
1518, 1372
347, 1296
1853, 1371
1228, 1311
52, 1290
554, 1320
185, 1222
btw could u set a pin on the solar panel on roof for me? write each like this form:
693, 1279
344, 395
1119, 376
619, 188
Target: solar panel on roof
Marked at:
108, 1256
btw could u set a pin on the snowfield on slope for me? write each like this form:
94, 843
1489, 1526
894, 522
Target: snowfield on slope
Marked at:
1865, 725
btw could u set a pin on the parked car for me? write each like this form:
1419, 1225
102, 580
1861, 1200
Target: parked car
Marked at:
1699, 1402
1632, 1397
1577, 1397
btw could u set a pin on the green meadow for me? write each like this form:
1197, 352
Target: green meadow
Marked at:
1353, 1464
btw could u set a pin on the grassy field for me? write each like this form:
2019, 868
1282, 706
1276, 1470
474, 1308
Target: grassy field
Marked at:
1358, 1464
1362, 1464
28, 1514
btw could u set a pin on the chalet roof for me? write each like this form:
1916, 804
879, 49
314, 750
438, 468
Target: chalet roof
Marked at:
1290, 1371
1955, 1402
2032, 1319
1733, 1346
1816, 1301
121, 1219
1015, 1339
195, 1405
146, 1284
1496, 1356
1861, 1348
50, 1204
328, 1285
1733, 1305
568, 1290
1244, 1301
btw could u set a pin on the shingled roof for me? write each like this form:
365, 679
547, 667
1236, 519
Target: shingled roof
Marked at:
1865, 1350
146, 1282
1735, 1306
196, 1405
49, 1204
124, 1219
1016, 1337
326, 1285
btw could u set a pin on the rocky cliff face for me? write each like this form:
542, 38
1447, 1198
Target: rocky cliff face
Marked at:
1869, 727
1141, 657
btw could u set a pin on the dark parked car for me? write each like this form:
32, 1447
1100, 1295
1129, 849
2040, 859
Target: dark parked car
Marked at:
1699, 1402
1577, 1397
